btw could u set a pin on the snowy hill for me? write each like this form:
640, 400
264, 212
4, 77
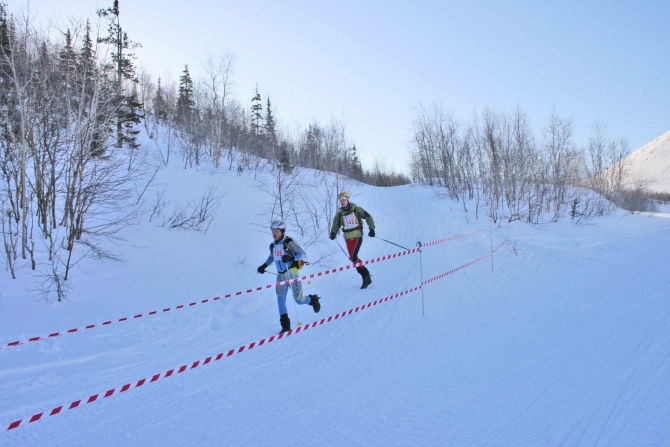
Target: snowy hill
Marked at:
562, 340
652, 162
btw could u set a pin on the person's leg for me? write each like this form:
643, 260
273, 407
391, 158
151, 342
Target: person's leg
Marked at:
354, 245
296, 287
281, 291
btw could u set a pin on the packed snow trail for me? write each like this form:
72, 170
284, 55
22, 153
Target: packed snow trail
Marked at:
565, 343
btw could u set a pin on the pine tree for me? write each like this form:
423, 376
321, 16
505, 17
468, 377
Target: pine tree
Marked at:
256, 113
356, 167
5, 45
160, 105
285, 160
270, 126
185, 101
311, 148
87, 55
125, 72
67, 69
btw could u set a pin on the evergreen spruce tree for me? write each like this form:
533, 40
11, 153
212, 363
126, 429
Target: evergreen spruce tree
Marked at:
356, 167
86, 62
128, 106
256, 113
5, 46
270, 126
285, 160
311, 148
67, 55
68, 73
160, 105
270, 132
185, 100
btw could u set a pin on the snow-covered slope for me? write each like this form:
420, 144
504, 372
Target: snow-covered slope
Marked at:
652, 162
565, 342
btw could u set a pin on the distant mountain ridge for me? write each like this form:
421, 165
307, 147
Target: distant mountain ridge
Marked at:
652, 162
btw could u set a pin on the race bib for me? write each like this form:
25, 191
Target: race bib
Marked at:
278, 253
350, 221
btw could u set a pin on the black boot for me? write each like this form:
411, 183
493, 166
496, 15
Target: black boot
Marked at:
365, 275
315, 303
285, 323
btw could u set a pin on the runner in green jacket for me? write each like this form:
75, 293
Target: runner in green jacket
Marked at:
350, 217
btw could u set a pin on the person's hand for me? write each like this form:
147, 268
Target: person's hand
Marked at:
371, 233
262, 268
287, 258
332, 236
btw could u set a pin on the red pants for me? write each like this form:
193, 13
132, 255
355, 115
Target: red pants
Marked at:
353, 245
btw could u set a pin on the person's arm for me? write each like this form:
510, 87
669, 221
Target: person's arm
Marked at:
295, 250
268, 261
368, 218
336, 223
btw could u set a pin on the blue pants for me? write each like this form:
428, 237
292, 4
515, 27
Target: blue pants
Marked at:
282, 290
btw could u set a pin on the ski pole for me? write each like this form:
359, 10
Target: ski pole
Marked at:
345, 253
393, 243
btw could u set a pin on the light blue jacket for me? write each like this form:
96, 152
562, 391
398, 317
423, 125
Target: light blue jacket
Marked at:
278, 246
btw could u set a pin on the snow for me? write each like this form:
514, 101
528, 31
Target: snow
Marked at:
652, 162
565, 342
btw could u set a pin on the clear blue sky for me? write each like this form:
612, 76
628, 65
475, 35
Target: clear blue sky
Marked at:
372, 63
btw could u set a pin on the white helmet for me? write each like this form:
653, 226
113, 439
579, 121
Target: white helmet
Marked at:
278, 225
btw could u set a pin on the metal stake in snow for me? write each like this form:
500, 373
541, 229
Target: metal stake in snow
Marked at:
423, 307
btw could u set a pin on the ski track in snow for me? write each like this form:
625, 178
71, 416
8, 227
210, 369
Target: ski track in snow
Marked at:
566, 342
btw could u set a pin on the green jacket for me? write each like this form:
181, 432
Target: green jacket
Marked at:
352, 221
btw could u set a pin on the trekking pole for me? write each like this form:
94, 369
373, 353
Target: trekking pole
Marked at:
345, 253
296, 311
423, 307
393, 243
491, 233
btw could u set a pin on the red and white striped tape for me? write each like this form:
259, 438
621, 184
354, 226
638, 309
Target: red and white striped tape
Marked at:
219, 356
451, 272
452, 238
244, 292
106, 323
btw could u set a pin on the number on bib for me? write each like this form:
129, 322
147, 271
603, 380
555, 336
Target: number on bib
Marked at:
350, 221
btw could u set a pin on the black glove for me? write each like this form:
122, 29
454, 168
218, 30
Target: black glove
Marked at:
332, 236
371, 233
287, 258
262, 268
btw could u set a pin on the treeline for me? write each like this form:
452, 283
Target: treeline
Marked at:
208, 124
498, 162
72, 172
69, 160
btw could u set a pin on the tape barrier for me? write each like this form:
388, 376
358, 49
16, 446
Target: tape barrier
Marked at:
244, 292
451, 272
452, 238
206, 361
246, 347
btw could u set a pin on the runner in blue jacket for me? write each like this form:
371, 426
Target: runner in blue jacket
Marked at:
287, 255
